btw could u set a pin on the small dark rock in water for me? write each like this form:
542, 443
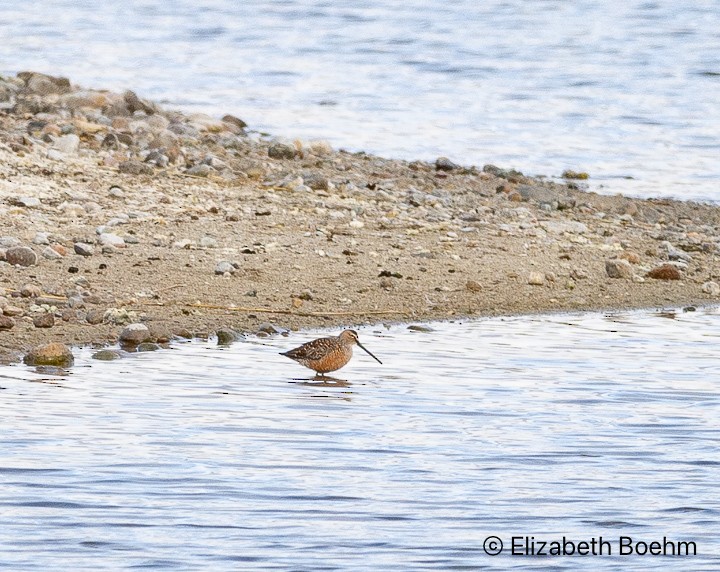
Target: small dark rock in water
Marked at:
418, 328
148, 347
281, 151
689, 309
21, 255
6, 323
664, 272
445, 164
106, 355
226, 336
268, 328
568, 174
46, 320
135, 334
50, 354
83, 249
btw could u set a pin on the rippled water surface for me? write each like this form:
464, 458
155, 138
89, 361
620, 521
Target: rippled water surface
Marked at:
622, 88
212, 458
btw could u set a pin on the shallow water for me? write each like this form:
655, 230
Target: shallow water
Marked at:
202, 457
621, 88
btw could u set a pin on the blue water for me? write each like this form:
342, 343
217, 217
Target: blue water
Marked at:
626, 90
207, 458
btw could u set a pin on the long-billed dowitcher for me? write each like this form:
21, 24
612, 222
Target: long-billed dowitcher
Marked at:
327, 354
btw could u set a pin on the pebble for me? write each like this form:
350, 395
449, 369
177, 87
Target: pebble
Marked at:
226, 336
561, 226
675, 253
445, 164
618, 268
224, 267
84, 249
201, 170
420, 328
712, 288
536, 279
473, 286
148, 347
30, 291
664, 272
55, 354
6, 323
95, 317
281, 151
109, 239
21, 256
45, 320
135, 168
106, 355
67, 144
268, 328
27, 202
41, 238
208, 242
13, 311
135, 334
119, 316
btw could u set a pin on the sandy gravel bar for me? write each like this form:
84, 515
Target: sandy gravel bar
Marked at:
115, 211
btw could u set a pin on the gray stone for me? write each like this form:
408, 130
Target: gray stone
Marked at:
224, 266
135, 334
106, 355
445, 164
536, 279
281, 151
618, 268
135, 168
68, 144
9, 241
675, 253
712, 288
148, 347
6, 323
109, 239
21, 255
201, 170
83, 249
561, 226
226, 336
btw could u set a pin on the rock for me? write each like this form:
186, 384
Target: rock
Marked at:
95, 317
201, 170
316, 181
119, 316
134, 103
445, 164
473, 286
631, 257
50, 354
712, 288
148, 347
675, 253
67, 144
13, 311
27, 202
664, 272
561, 226
106, 355
223, 267
226, 336
135, 168
109, 239
581, 175
281, 151
236, 121
618, 268
84, 249
21, 256
30, 291
9, 241
45, 320
268, 328
536, 279
420, 328
6, 323
208, 242
135, 334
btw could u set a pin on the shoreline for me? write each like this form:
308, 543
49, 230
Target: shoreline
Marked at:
115, 211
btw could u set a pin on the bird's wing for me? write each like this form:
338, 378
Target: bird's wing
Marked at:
316, 349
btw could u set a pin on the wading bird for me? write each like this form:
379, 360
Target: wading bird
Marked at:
327, 354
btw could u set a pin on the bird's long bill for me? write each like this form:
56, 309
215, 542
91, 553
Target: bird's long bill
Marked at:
368, 351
